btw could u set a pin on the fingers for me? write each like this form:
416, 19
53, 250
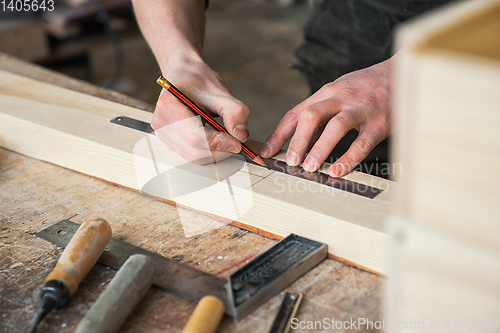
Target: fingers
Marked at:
288, 124
360, 100
169, 110
306, 129
218, 141
281, 134
311, 119
207, 89
235, 115
367, 139
174, 142
215, 98
334, 131
172, 113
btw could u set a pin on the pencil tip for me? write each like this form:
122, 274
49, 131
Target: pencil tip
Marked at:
260, 161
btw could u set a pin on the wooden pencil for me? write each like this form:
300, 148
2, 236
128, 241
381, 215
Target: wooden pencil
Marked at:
197, 110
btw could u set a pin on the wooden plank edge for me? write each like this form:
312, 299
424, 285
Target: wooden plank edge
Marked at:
14, 65
261, 232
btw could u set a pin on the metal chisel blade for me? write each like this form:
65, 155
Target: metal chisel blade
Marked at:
172, 276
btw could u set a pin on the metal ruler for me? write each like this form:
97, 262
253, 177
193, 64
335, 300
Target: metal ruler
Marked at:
279, 166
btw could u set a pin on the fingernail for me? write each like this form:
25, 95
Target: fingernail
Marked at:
266, 150
337, 170
241, 133
292, 158
310, 165
234, 149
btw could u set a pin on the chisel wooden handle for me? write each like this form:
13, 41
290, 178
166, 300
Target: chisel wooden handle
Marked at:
78, 258
206, 316
75, 262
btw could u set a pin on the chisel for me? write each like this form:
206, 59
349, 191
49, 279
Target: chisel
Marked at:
121, 296
75, 262
248, 287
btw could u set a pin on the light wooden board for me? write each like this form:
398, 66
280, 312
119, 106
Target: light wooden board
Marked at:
73, 130
24, 68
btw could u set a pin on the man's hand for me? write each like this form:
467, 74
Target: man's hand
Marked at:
206, 88
174, 30
359, 100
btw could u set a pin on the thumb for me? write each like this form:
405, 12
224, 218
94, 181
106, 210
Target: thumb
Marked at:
235, 115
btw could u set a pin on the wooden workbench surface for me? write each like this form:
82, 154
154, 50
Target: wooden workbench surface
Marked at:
35, 195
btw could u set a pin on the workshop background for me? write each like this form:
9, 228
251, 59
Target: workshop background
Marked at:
250, 43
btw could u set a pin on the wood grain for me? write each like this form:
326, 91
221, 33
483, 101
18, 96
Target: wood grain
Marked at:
445, 254
448, 121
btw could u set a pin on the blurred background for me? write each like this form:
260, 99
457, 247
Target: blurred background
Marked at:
251, 43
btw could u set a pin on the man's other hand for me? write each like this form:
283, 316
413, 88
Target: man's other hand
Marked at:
359, 100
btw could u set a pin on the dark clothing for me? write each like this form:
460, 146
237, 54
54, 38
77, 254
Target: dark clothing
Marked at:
347, 35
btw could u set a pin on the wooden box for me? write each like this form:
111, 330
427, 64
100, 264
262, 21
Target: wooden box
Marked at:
445, 263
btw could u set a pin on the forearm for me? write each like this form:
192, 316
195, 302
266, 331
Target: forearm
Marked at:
174, 29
